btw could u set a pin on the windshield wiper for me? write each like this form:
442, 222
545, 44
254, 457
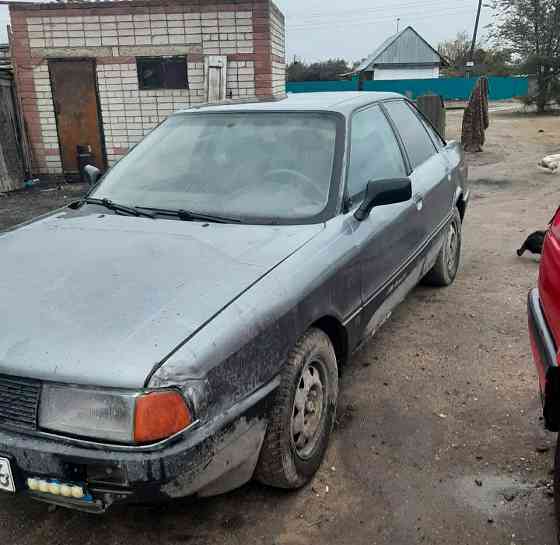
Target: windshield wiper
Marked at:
187, 215
132, 210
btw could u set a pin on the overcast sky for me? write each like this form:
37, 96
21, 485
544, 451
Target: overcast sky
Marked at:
352, 29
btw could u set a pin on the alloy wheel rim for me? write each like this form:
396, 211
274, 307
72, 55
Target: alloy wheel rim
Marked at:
308, 410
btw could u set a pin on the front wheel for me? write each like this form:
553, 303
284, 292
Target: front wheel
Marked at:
445, 269
302, 416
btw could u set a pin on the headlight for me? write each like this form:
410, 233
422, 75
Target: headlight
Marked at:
118, 416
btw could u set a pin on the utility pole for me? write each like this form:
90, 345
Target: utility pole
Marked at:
470, 63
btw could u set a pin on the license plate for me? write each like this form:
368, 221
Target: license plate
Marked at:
6, 478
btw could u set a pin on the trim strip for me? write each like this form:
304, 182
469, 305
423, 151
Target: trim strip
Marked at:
413, 257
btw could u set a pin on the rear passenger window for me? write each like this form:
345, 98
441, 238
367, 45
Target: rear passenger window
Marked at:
418, 144
374, 151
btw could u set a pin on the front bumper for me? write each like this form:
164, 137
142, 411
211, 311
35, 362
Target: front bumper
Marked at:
544, 355
210, 460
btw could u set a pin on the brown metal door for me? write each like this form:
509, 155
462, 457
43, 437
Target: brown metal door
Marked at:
77, 113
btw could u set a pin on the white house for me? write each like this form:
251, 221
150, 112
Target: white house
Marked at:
406, 55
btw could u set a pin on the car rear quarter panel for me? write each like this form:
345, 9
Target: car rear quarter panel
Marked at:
455, 157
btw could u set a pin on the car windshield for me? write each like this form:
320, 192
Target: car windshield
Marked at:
250, 166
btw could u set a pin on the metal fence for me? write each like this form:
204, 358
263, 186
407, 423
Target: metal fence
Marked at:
501, 88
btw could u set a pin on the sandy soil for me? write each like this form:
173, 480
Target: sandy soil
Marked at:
438, 439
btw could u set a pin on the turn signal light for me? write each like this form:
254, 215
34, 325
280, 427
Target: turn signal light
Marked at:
159, 415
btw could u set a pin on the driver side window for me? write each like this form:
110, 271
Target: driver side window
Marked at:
374, 151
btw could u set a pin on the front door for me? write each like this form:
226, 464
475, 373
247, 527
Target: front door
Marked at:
77, 112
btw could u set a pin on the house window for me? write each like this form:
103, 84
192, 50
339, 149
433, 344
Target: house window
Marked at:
162, 73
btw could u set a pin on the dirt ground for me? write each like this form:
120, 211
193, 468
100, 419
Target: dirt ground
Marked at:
438, 438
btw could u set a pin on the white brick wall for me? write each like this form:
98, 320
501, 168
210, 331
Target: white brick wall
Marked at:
129, 114
241, 79
278, 50
217, 33
278, 78
47, 119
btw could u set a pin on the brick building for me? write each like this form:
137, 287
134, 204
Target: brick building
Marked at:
103, 74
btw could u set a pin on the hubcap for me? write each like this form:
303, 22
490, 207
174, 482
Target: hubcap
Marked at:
452, 246
307, 414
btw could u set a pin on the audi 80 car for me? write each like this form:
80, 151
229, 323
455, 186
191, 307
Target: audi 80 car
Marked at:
181, 329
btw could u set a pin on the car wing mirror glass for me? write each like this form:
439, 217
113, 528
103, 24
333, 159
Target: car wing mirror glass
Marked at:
92, 174
382, 193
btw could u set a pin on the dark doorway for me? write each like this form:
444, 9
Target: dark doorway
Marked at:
77, 112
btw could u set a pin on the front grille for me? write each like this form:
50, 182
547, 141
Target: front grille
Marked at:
19, 400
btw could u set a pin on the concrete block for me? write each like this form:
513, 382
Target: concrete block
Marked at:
126, 40
143, 40
109, 40
76, 42
91, 42
176, 24
177, 39
157, 40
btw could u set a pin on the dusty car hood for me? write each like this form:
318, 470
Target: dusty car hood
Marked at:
99, 299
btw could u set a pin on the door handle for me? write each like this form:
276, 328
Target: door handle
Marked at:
418, 201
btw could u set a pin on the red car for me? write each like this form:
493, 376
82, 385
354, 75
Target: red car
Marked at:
544, 330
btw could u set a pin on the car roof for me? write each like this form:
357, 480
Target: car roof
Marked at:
341, 102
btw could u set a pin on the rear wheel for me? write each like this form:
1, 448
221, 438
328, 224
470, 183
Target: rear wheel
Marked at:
302, 416
445, 269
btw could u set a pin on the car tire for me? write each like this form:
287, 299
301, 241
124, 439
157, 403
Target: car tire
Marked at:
302, 415
445, 269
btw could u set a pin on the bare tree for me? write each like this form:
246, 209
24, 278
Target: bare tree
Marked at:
532, 30
489, 60
456, 51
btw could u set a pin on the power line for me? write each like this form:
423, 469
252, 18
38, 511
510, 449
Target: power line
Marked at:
351, 22
336, 13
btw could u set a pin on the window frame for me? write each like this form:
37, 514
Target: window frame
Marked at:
414, 110
164, 60
442, 142
352, 198
332, 207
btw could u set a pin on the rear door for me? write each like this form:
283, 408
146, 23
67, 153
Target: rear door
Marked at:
432, 189
77, 112
387, 236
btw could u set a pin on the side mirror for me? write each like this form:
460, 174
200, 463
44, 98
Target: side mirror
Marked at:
383, 192
92, 174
